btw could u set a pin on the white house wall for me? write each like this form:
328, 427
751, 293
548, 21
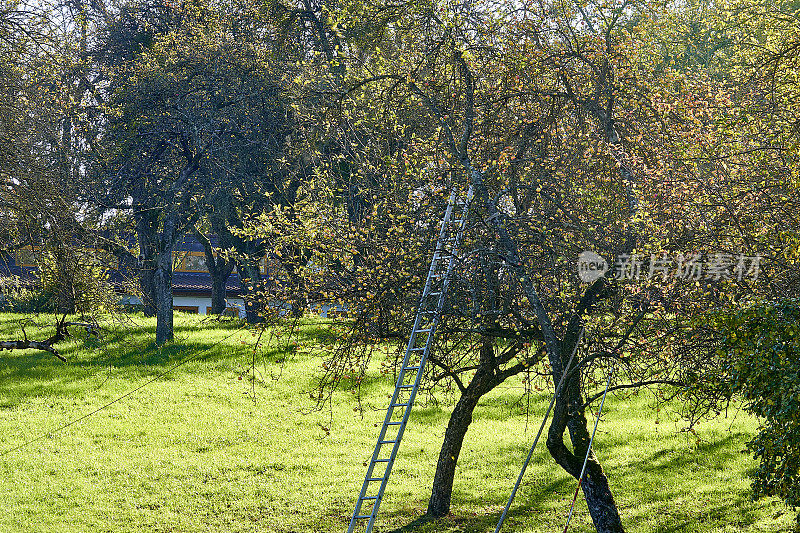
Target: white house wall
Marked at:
203, 304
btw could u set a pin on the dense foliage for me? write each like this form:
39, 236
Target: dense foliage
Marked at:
762, 352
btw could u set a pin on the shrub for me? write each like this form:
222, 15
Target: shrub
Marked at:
70, 280
76, 280
762, 350
19, 297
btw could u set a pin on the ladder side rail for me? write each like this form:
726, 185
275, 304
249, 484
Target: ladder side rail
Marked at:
437, 252
440, 303
395, 395
411, 347
452, 259
390, 411
443, 296
421, 307
428, 345
381, 436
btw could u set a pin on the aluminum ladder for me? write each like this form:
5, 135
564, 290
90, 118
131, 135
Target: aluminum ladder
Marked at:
419, 345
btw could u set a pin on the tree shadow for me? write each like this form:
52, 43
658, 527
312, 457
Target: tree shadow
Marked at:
414, 525
534, 501
671, 477
127, 352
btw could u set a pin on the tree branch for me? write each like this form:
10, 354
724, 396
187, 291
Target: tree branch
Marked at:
47, 344
31, 345
599, 395
448, 372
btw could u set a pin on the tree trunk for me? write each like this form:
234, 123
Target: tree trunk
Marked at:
218, 292
596, 490
220, 269
162, 284
66, 267
250, 277
484, 380
442, 491
298, 301
487, 377
599, 499
147, 286
248, 255
158, 228
147, 266
568, 414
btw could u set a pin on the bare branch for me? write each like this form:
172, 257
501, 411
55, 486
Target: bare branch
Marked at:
30, 345
638, 384
47, 345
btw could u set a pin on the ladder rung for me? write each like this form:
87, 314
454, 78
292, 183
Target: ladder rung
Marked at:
428, 315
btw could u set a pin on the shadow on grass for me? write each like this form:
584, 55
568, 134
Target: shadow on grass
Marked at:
665, 479
127, 352
415, 525
537, 500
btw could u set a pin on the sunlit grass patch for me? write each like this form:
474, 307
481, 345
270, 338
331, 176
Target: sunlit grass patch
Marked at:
203, 450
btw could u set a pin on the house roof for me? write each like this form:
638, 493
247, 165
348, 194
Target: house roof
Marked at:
189, 243
187, 283
8, 267
200, 282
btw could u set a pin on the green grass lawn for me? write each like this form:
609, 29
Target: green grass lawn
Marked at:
195, 451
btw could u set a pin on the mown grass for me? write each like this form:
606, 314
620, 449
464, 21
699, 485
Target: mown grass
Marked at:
195, 451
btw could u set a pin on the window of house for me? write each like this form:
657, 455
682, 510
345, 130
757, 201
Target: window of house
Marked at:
194, 263
190, 262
